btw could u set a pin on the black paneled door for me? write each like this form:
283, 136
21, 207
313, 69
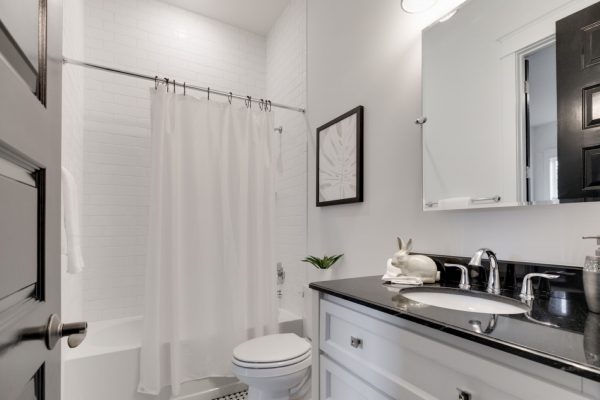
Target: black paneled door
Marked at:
30, 147
578, 85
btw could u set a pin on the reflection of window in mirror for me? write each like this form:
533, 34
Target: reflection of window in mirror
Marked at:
595, 106
541, 125
553, 178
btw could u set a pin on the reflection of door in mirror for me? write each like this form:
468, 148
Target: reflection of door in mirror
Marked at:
578, 73
23, 41
540, 97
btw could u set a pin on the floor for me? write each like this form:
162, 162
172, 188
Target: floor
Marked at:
235, 396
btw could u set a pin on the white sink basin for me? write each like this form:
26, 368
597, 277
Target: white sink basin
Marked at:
469, 301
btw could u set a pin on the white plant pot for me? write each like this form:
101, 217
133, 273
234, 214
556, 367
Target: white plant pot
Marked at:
317, 275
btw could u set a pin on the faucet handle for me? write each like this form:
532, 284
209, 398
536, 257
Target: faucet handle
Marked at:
464, 275
527, 287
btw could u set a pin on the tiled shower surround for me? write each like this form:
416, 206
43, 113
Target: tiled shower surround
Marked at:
154, 38
286, 82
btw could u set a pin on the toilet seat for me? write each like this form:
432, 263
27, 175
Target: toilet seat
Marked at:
271, 349
271, 356
276, 364
241, 371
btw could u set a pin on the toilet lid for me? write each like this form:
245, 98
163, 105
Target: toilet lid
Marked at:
271, 348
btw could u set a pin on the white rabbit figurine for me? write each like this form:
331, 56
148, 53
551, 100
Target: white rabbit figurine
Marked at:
415, 265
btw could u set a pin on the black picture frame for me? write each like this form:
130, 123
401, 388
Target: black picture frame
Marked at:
358, 195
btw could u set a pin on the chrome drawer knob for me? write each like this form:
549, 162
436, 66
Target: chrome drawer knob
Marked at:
355, 342
462, 395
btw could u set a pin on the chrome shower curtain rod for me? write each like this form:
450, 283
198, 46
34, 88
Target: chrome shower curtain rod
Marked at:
172, 82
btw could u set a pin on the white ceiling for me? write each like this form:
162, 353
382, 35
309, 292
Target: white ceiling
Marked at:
253, 15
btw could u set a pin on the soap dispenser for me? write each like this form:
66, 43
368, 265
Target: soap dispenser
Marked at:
591, 278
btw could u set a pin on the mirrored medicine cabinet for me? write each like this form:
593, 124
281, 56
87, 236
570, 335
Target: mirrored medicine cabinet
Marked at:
511, 104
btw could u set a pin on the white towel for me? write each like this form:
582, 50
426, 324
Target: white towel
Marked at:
454, 203
406, 280
71, 224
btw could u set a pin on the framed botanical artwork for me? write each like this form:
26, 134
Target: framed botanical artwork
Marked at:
340, 159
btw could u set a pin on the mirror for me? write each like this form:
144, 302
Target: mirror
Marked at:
511, 104
23, 41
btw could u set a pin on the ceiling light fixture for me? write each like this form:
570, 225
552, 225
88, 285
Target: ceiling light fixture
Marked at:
417, 6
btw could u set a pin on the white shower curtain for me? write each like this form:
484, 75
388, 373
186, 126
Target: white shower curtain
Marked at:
210, 279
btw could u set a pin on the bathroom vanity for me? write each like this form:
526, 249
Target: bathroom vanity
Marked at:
371, 342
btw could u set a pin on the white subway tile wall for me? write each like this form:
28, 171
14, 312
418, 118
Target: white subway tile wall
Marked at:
155, 38
286, 82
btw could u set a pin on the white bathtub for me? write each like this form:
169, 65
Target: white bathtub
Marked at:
105, 366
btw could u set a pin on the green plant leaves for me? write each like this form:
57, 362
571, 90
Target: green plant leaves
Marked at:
322, 263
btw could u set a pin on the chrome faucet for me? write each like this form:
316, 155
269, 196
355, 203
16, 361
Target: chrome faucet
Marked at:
493, 285
464, 275
476, 324
527, 287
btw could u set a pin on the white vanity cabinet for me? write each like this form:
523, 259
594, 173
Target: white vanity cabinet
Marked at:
361, 353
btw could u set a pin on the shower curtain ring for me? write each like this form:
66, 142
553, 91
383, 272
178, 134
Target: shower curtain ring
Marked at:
270, 105
248, 101
184, 88
208, 91
174, 87
156, 82
167, 84
230, 97
261, 104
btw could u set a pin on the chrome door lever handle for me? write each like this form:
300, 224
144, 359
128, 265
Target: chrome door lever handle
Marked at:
75, 332
55, 330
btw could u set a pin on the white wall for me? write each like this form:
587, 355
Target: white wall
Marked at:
154, 38
369, 52
286, 82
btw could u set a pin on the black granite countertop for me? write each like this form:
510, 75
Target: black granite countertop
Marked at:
559, 331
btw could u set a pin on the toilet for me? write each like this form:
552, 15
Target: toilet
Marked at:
274, 366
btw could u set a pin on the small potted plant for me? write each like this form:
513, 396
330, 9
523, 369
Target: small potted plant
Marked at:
322, 265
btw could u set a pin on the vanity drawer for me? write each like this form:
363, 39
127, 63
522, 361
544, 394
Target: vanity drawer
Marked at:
339, 383
405, 365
